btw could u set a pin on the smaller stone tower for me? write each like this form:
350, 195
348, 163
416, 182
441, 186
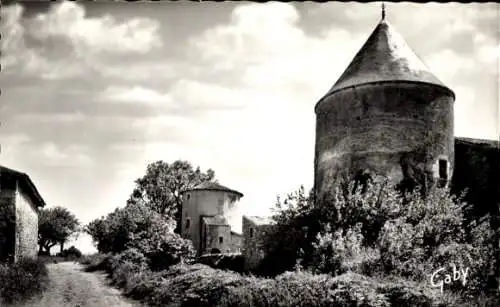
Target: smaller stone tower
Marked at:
206, 209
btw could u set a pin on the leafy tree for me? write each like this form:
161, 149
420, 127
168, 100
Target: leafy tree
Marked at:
115, 231
160, 188
144, 230
56, 226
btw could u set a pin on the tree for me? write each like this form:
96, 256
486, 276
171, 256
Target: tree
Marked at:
146, 231
160, 188
115, 232
56, 226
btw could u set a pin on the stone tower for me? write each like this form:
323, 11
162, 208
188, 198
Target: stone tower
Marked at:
206, 211
386, 115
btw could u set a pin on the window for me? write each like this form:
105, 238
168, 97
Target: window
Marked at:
220, 206
251, 232
221, 240
443, 169
188, 223
188, 196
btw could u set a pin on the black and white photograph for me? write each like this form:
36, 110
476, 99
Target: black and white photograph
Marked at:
238, 153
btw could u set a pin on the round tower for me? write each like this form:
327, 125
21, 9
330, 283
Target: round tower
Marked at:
386, 115
206, 211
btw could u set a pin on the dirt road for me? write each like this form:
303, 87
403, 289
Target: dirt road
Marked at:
70, 286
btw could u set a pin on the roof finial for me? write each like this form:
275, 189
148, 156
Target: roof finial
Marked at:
383, 11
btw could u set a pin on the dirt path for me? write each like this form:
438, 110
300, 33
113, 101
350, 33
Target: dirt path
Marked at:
70, 286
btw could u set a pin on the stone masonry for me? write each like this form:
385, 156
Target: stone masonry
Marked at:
20, 203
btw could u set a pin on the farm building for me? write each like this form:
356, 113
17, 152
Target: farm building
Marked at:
19, 204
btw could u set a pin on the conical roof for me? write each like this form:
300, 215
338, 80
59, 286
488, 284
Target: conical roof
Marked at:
385, 56
213, 186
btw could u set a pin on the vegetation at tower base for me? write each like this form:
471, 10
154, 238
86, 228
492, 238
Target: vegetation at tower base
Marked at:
380, 233
56, 226
366, 245
159, 189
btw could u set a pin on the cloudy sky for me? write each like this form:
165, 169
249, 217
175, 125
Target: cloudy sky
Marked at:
93, 92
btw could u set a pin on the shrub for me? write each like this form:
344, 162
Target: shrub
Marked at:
97, 262
379, 231
22, 280
71, 253
161, 247
125, 264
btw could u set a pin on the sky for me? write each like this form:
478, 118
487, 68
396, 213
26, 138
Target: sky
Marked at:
93, 92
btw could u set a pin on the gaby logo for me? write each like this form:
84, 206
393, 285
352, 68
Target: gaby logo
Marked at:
439, 278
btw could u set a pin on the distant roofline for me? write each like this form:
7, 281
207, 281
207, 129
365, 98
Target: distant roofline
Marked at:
350, 87
484, 142
25, 181
260, 220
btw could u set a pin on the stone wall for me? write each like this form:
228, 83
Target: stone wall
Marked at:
236, 242
7, 223
216, 237
26, 227
393, 129
253, 242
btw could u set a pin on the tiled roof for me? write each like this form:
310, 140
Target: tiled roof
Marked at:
260, 220
385, 56
26, 184
217, 220
213, 186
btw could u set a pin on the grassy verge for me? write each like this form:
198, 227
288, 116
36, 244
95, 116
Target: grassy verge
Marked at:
22, 280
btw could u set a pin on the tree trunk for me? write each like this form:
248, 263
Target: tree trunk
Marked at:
62, 246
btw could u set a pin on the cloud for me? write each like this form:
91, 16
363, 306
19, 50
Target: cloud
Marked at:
74, 155
136, 94
64, 43
95, 35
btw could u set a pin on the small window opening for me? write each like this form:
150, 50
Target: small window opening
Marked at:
443, 169
251, 232
221, 206
188, 196
188, 223
221, 240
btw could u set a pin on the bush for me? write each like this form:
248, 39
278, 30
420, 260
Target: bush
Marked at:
22, 280
161, 247
97, 262
379, 231
234, 262
70, 253
125, 264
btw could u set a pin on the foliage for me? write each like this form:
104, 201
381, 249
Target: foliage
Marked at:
378, 231
143, 229
71, 252
115, 231
22, 280
199, 285
56, 226
125, 264
159, 189
97, 262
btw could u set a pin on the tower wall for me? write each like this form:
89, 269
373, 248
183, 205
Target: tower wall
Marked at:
199, 203
385, 128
